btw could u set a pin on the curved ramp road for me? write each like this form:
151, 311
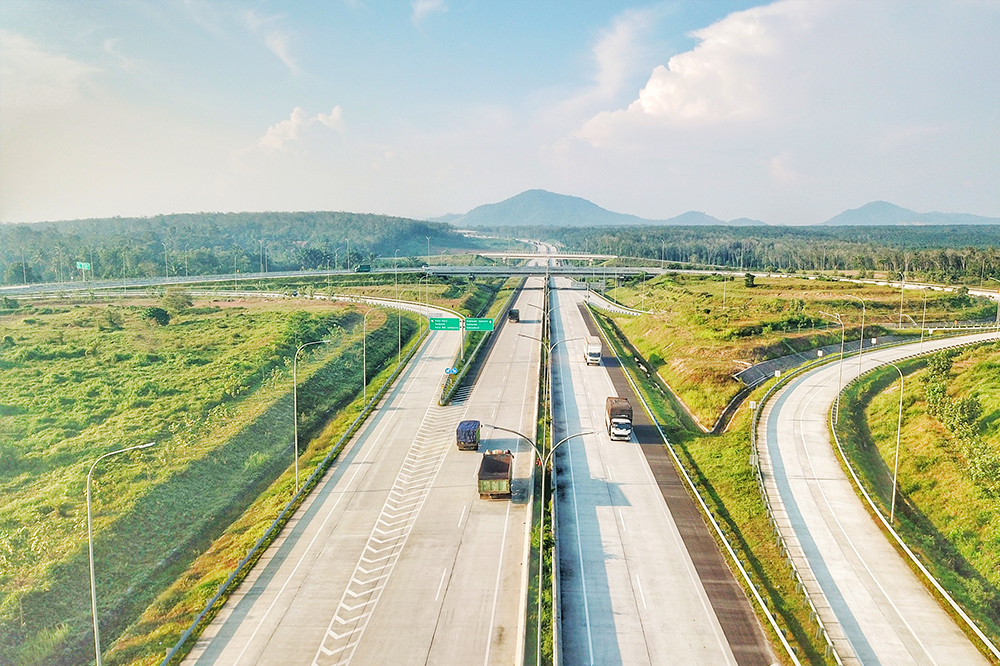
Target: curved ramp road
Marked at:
394, 559
634, 585
877, 611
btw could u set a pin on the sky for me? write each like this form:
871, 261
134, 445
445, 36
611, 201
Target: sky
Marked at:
787, 112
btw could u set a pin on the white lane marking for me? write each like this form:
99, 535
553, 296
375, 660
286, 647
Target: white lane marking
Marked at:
610, 478
622, 518
462, 517
496, 589
374, 440
854, 548
441, 584
638, 583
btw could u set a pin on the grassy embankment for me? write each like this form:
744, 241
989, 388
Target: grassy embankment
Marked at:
211, 387
948, 509
720, 467
701, 329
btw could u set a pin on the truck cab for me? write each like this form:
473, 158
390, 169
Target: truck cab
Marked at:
513, 315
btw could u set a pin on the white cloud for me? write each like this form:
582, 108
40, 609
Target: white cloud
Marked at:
334, 120
123, 61
32, 78
277, 43
617, 50
285, 135
722, 79
423, 8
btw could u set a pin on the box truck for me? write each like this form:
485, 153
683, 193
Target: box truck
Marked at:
593, 351
618, 418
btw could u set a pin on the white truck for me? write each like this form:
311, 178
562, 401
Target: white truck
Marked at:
594, 350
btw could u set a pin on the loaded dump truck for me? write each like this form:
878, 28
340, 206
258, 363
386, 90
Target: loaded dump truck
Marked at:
467, 436
494, 475
618, 418
592, 354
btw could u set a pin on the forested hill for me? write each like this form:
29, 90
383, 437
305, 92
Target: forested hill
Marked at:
213, 243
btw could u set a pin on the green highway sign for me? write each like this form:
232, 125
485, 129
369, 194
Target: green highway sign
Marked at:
83, 266
475, 324
444, 324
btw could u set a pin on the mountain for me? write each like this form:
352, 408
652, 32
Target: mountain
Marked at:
539, 208
882, 213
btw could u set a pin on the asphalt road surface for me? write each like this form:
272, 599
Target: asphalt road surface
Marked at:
394, 559
875, 608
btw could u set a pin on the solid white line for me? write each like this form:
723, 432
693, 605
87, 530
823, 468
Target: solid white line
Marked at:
608, 467
642, 596
622, 518
441, 584
496, 589
462, 517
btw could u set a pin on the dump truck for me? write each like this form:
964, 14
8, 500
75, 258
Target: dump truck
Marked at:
513, 315
618, 418
594, 350
494, 475
467, 435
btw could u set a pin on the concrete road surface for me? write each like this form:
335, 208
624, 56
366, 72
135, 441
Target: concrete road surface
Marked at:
875, 608
394, 559
630, 591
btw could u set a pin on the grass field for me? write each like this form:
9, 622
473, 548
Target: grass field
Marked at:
946, 511
211, 388
701, 330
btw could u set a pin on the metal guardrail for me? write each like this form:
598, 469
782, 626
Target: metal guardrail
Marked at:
772, 620
278, 523
834, 414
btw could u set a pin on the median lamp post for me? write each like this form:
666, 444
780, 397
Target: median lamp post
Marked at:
899, 429
295, 406
90, 545
543, 461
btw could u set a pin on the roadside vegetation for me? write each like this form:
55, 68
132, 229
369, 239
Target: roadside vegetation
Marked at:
209, 383
948, 507
703, 329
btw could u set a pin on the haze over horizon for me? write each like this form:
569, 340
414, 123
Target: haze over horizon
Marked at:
789, 112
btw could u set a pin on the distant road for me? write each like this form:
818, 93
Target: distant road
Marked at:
875, 608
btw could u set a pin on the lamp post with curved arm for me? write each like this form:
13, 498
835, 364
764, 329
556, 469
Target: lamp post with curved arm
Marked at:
544, 462
861, 348
399, 311
295, 406
899, 429
90, 546
840, 379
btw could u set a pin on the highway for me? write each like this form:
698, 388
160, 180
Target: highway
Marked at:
641, 580
394, 559
874, 607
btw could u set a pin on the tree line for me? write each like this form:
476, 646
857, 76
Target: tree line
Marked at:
212, 244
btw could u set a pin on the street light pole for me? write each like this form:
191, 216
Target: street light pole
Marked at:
899, 428
861, 348
399, 312
544, 463
840, 379
166, 269
90, 545
295, 406
364, 358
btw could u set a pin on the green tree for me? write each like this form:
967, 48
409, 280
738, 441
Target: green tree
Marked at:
748, 280
176, 301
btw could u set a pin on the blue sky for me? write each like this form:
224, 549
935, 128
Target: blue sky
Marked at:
788, 112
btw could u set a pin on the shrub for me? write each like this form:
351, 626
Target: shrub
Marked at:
157, 315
